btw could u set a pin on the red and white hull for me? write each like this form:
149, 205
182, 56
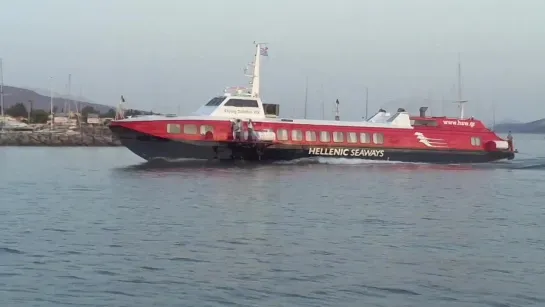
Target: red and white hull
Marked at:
398, 137
151, 138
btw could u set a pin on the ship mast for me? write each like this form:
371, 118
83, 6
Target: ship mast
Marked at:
257, 66
460, 101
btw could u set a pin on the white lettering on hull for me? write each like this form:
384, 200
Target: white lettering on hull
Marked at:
459, 123
346, 152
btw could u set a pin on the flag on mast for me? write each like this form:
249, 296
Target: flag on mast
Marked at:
337, 101
264, 51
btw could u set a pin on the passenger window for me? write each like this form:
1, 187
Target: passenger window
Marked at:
206, 128
190, 129
173, 128
378, 138
364, 138
352, 137
296, 135
282, 134
324, 137
310, 136
476, 141
338, 137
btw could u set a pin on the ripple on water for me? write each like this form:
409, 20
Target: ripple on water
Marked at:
96, 233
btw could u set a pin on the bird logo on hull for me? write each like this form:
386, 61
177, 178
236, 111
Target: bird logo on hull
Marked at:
430, 142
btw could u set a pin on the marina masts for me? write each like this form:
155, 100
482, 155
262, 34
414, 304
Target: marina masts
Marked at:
306, 97
366, 102
51, 102
2, 91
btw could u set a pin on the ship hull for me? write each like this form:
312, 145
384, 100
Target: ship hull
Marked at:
153, 148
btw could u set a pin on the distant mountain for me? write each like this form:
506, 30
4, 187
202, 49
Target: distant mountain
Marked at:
13, 95
537, 126
44, 92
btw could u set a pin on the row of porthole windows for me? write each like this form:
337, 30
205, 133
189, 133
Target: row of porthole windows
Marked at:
296, 135
188, 129
325, 136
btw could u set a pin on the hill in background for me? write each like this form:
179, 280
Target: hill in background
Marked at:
536, 126
14, 95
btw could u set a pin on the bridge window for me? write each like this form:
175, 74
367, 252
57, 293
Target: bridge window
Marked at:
338, 137
475, 141
310, 136
241, 103
206, 128
173, 128
324, 137
216, 101
365, 138
378, 138
190, 129
296, 135
424, 122
282, 134
352, 137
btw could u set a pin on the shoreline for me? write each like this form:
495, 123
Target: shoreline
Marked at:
100, 138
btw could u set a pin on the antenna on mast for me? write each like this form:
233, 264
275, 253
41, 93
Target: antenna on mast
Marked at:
460, 101
337, 117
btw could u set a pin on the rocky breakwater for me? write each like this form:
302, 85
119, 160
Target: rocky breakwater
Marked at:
84, 137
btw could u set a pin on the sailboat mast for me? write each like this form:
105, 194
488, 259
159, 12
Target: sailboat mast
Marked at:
51, 102
306, 97
323, 102
493, 116
2, 91
69, 93
366, 102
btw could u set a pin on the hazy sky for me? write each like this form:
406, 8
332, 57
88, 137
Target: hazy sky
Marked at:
163, 54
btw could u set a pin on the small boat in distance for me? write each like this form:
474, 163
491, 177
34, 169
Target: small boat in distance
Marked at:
238, 125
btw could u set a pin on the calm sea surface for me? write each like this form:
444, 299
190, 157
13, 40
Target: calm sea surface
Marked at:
98, 227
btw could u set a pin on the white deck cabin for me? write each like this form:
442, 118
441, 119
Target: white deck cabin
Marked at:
245, 103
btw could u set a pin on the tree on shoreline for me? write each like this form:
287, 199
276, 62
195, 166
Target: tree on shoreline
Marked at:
17, 110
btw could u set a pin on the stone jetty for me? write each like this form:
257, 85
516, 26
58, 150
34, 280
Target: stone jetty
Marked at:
84, 137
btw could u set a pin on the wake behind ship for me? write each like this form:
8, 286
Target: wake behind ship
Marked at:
238, 125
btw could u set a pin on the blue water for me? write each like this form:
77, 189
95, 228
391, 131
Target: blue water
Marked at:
98, 227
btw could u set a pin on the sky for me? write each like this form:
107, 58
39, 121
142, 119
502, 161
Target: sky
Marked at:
170, 55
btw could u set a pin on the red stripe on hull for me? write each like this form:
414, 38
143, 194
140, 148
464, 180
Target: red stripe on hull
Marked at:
412, 145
